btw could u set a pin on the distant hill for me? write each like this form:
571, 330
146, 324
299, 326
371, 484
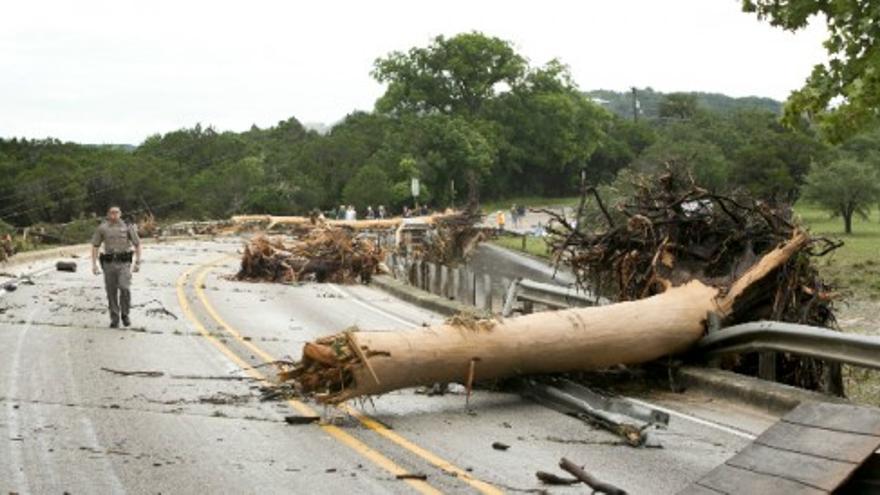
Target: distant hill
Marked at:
620, 102
121, 147
319, 127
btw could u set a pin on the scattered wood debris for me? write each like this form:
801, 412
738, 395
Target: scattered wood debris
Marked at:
412, 476
301, 420
146, 374
597, 485
553, 479
7, 247
670, 231
674, 265
325, 254
65, 266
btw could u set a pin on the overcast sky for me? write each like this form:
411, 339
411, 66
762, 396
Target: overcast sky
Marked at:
118, 71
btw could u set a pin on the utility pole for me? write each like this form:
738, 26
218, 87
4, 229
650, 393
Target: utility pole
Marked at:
635, 104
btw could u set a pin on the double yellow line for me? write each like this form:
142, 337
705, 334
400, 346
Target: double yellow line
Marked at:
334, 431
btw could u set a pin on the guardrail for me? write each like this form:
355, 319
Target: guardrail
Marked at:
553, 296
765, 337
803, 340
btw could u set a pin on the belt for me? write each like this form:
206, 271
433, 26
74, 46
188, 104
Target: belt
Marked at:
118, 257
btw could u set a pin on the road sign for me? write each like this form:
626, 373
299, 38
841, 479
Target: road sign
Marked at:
414, 187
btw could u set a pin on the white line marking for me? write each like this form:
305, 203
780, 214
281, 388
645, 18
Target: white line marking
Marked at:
371, 307
671, 412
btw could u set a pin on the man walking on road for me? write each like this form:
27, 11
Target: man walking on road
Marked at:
118, 239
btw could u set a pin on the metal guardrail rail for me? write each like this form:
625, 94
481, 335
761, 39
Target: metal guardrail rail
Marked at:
760, 336
821, 343
553, 296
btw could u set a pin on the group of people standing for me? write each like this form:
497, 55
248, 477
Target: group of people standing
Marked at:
348, 212
416, 211
517, 212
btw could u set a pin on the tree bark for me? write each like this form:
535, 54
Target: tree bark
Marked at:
358, 363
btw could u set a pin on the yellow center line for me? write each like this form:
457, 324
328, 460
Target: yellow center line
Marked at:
334, 431
364, 419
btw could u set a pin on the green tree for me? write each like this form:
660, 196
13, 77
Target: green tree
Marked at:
843, 188
851, 77
548, 131
368, 187
451, 75
704, 160
678, 106
455, 150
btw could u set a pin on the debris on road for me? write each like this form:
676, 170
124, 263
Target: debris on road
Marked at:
7, 247
301, 420
597, 485
354, 363
65, 266
500, 446
628, 421
298, 224
326, 254
146, 374
670, 232
553, 479
667, 296
412, 476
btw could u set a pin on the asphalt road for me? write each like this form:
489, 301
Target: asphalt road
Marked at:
76, 419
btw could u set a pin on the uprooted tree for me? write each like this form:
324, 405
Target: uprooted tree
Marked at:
325, 254
675, 255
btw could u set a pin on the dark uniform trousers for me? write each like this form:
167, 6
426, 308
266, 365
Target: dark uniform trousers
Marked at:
117, 281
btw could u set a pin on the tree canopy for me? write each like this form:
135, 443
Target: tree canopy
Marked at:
843, 95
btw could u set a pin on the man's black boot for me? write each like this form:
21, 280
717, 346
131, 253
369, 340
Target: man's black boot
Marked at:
126, 321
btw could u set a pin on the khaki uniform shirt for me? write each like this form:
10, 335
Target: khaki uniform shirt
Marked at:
117, 237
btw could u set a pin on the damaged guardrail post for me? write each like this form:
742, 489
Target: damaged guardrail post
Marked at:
510, 298
487, 293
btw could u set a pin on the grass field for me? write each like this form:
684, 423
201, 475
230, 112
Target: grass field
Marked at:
855, 267
534, 245
529, 202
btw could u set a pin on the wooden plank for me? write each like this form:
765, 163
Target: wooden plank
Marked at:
729, 479
837, 445
842, 417
815, 471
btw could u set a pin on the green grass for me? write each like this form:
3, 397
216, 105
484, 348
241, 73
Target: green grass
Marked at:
855, 267
534, 245
528, 202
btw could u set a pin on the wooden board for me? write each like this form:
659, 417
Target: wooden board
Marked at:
728, 479
815, 448
819, 442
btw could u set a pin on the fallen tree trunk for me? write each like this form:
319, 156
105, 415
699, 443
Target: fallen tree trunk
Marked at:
356, 363
268, 222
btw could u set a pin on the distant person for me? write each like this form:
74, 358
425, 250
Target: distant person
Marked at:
499, 219
351, 213
340, 213
381, 211
406, 212
118, 238
370, 215
514, 215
